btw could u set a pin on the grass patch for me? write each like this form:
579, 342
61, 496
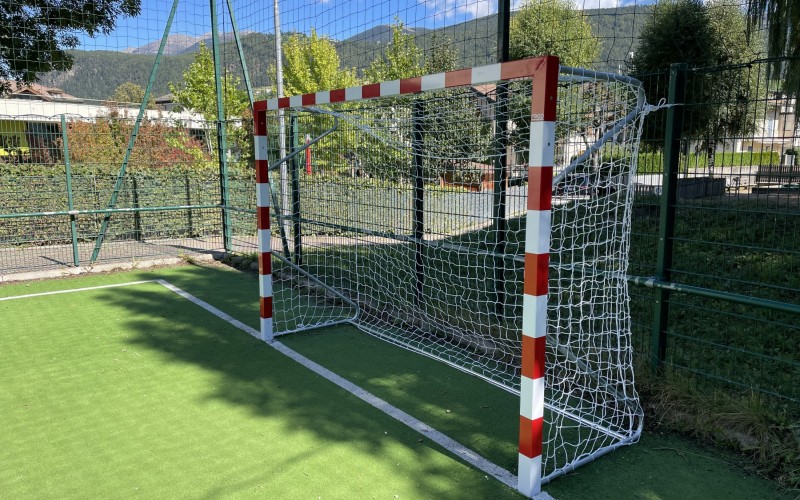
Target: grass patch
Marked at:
134, 390
745, 424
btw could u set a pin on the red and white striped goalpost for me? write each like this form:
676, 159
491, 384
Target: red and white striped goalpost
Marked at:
263, 226
544, 73
537, 259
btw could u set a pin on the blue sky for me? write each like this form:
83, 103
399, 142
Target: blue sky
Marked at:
338, 19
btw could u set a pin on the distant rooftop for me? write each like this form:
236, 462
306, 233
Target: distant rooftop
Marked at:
38, 92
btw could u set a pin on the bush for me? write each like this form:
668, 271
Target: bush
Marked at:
653, 162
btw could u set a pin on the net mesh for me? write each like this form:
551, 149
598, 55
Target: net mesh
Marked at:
406, 216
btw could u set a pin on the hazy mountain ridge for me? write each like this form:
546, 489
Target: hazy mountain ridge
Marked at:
182, 44
96, 74
383, 34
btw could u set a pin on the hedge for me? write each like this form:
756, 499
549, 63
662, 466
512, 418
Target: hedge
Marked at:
41, 188
653, 163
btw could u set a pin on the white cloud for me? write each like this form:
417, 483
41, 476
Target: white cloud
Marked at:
444, 9
597, 4
447, 9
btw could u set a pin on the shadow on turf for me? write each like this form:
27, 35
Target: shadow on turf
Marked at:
248, 374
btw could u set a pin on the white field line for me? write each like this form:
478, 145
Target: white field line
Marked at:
442, 440
77, 290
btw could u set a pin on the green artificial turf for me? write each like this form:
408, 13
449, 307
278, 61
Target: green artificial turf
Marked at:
485, 419
135, 391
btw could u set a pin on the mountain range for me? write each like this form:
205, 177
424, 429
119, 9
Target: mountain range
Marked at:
181, 44
96, 74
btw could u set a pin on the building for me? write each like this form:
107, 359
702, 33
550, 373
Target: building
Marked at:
777, 130
30, 118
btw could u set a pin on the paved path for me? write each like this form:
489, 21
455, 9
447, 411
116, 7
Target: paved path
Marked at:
33, 262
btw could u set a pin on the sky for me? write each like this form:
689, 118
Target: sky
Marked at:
338, 19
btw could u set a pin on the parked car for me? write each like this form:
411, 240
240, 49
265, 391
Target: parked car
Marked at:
575, 185
585, 185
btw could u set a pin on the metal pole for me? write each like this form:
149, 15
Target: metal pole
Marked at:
503, 23
187, 184
294, 134
222, 146
246, 73
284, 175
137, 218
666, 228
500, 173
118, 185
419, 193
70, 203
499, 198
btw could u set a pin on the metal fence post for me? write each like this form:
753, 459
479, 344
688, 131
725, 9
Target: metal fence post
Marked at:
419, 193
500, 167
137, 216
70, 201
294, 140
666, 227
503, 28
222, 146
500, 197
188, 187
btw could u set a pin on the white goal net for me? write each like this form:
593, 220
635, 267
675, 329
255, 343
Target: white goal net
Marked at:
404, 214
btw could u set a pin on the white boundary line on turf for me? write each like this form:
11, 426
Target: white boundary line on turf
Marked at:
449, 444
99, 287
442, 440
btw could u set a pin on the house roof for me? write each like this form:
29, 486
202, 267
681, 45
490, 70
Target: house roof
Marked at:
165, 99
488, 90
45, 93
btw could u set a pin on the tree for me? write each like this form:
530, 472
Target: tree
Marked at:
402, 58
722, 90
35, 34
555, 28
782, 20
198, 94
130, 93
312, 64
441, 56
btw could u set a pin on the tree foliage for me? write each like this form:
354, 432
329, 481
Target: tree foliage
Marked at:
402, 58
553, 27
35, 34
311, 64
104, 141
782, 21
198, 93
441, 56
721, 88
129, 93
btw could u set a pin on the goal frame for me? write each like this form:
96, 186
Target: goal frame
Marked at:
544, 72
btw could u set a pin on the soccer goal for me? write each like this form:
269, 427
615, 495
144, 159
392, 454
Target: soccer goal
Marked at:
479, 217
